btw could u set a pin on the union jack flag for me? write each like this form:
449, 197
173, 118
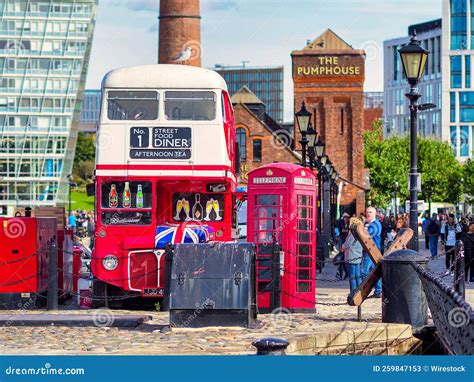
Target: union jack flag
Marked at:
182, 233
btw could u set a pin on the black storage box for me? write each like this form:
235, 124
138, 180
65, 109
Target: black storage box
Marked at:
213, 285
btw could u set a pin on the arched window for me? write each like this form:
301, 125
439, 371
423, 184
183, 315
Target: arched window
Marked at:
257, 150
242, 141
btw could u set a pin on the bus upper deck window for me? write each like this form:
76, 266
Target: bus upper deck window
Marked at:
131, 105
190, 105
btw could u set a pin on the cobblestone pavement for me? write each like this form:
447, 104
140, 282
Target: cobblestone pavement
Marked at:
333, 315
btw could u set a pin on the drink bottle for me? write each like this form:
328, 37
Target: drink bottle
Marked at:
139, 202
113, 200
127, 197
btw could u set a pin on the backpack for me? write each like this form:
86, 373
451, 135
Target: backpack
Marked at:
433, 228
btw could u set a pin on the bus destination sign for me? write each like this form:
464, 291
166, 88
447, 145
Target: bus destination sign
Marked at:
166, 143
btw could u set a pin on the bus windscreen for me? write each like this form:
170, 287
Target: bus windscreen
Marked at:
132, 105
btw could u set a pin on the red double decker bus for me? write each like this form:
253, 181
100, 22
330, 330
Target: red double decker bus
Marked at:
165, 173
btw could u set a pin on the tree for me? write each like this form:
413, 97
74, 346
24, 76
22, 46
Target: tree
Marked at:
85, 148
469, 180
389, 161
84, 159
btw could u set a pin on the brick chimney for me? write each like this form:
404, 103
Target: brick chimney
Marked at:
180, 28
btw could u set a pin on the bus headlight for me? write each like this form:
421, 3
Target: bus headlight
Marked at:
110, 262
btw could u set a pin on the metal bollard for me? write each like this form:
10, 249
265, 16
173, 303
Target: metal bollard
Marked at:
404, 299
459, 282
52, 303
270, 346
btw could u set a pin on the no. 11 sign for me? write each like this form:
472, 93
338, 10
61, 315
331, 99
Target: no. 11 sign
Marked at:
139, 137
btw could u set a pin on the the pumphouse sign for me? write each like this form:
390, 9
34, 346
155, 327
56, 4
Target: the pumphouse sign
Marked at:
329, 66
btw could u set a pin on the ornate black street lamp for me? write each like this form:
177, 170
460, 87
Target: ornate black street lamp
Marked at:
311, 138
414, 58
320, 162
303, 117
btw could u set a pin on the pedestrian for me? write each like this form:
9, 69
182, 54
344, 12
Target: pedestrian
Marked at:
343, 225
392, 234
343, 230
392, 222
353, 257
450, 233
424, 228
385, 228
468, 241
433, 230
374, 228
464, 224
72, 222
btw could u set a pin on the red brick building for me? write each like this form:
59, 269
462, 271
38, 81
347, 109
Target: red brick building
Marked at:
261, 139
328, 75
180, 28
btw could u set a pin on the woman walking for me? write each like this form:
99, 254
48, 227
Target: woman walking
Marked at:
353, 257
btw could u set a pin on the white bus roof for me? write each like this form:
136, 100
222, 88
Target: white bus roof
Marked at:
161, 76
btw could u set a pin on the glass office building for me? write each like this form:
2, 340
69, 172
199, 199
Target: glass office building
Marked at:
90, 112
265, 82
458, 87
44, 52
396, 113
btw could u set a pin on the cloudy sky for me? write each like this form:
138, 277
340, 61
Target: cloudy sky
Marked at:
263, 32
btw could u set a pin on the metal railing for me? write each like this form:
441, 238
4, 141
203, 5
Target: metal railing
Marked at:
451, 314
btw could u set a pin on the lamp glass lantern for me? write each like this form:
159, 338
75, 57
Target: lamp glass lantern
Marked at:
303, 117
323, 160
319, 145
328, 166
311, 136
414, 58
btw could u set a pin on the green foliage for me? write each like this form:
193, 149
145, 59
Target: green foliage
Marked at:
157, 306
469, 180
84, 159
85, 148
80, 201
83, 172
389, 161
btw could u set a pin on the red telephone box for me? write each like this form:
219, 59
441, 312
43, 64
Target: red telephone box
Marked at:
282, 208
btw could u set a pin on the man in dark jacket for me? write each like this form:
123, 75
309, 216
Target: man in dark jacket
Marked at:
433, 230
468, 240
